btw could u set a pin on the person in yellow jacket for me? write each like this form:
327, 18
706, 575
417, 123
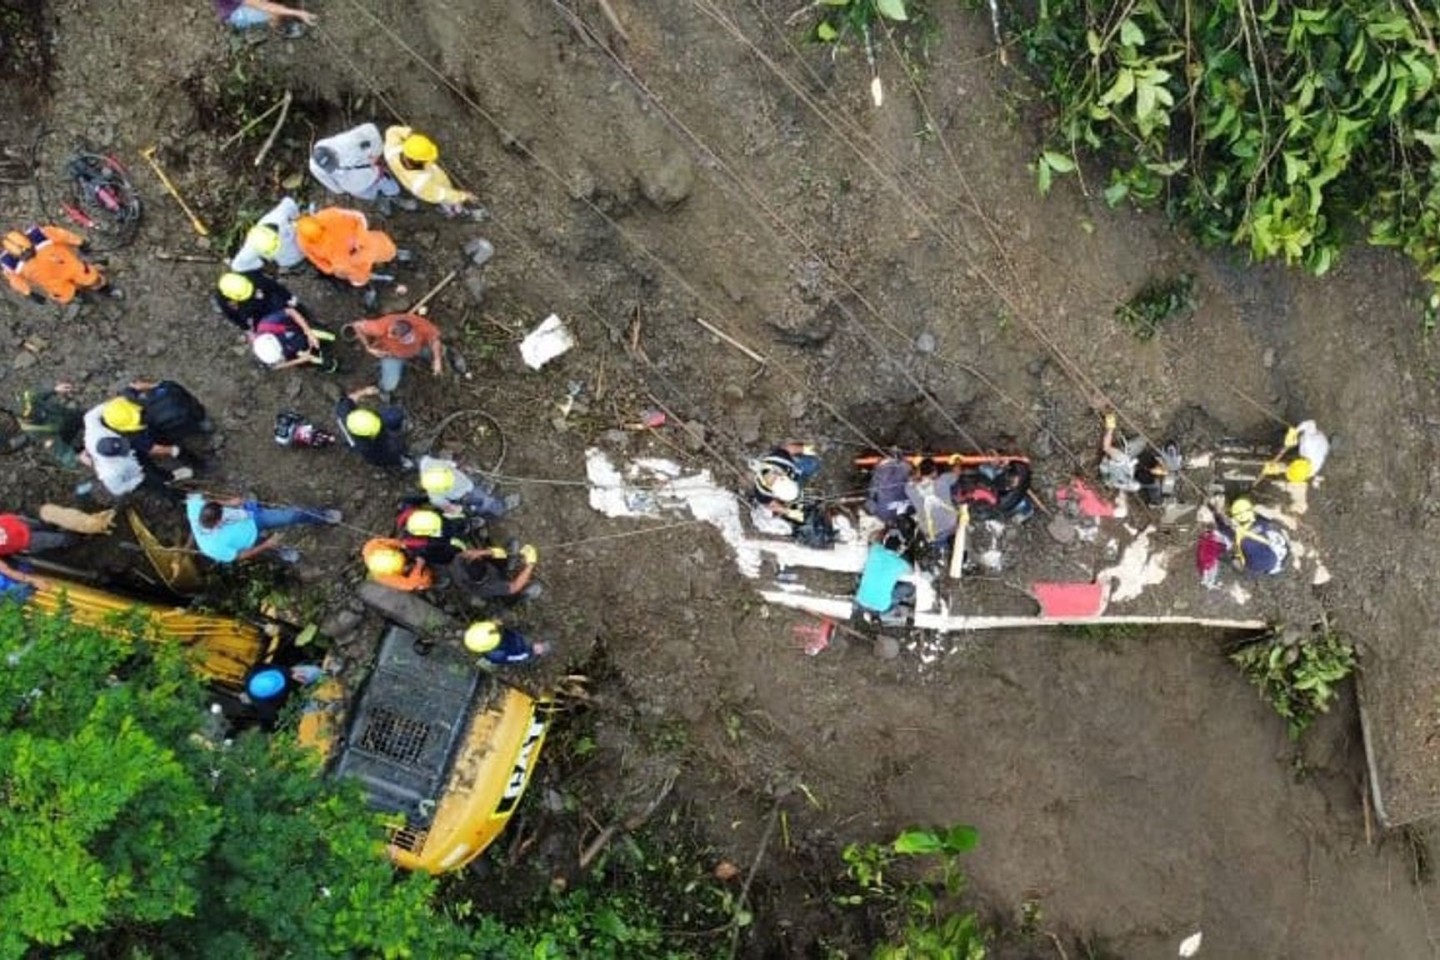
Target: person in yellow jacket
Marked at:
411, 158
45, 262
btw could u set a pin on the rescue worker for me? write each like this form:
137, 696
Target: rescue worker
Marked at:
882, 588
353, 163
244, 298
388, 564
377, 435
247, 14
1254, 544
777, 485
931, 491
412, 158
116, 467
45, 262
1312, 449
231, 529
426, 533
395, 338
500, 645
22, 535
268, 687
1133, 467
271, 240
340, 244
170, 416
452, 491
489, 576
124, 418
886, 500
51, 418
285, 339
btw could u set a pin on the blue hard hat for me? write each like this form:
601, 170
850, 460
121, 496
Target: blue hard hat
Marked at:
266, 684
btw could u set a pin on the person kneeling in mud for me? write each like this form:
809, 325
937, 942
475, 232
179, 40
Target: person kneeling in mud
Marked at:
776, 486
883, 594
1254, 544
1132, 466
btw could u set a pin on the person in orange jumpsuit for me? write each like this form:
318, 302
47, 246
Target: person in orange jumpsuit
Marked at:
390, 564
45, 262
340, 244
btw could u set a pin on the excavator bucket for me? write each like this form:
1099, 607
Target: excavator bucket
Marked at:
175, 565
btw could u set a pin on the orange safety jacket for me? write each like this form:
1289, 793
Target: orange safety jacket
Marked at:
51, 265
417, 574
346, 248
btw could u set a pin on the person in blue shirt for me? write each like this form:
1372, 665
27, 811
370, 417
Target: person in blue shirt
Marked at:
500, 645
881, 588
231, 529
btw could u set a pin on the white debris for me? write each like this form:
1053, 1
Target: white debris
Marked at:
1191, 944
546, 342
1137, 569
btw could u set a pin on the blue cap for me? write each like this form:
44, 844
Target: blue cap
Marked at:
266, 684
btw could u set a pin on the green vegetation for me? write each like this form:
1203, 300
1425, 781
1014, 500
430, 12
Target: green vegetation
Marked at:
838, 19
1297, 671
918, 911
128, 829
1284, 128
1157, 302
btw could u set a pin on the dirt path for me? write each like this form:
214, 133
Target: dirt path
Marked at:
1135, 788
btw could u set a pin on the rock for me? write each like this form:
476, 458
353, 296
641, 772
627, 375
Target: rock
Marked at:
887, 648
695, 436
747, 426
925, 343
474, 282
1044, 444
154, 348
733, 391
668, 180
341, 622
1268, 358
615, 438
23, 359
797, 403
1061, 530
1036, 367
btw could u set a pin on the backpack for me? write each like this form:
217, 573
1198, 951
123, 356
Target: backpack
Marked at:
171, 411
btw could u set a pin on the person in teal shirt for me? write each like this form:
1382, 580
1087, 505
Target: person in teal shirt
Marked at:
881, 588
230, 529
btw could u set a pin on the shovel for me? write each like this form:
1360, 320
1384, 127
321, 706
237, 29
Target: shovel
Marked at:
478, 253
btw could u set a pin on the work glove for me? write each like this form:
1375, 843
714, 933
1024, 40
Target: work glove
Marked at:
1110, 421
809, 450
499, 553
529, 554
1292, 437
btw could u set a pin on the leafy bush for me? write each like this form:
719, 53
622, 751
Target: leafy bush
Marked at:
1297, 671
919, 911
1280, 127
1157, 302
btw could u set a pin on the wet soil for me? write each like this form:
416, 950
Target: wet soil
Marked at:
906, 282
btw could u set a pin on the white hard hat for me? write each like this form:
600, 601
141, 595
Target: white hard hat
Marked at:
784, 489
267, 349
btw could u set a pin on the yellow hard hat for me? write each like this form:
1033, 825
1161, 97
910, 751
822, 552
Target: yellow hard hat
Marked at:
236, 286
121, 414
1242, 511
363, 423
419, 148
424, 523
482, 636
264, 238
385, 561
1300, 470
437, 479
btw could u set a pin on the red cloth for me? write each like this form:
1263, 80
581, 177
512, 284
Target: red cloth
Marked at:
1208, 551
14, 534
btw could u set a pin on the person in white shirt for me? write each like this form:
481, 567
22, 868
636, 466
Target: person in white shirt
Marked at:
271, 240
353, 163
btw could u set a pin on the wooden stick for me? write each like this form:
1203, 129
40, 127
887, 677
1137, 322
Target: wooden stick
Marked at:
444, 282
609, 12
740, 901
275, 132
185, 257
758, 358
253, 123
594, 848
957, 548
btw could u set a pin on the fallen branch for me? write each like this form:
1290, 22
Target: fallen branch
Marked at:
254, 123
185, 257
753, 355
598, 845
740, 901
275, 131
444, 282
610, 15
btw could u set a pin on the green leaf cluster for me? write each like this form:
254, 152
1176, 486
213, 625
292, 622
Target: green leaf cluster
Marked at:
1284, 128
127, 829
856, 17
920, 909
1158, 301
1297, 672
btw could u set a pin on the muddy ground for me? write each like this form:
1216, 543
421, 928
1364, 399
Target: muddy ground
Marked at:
907, 282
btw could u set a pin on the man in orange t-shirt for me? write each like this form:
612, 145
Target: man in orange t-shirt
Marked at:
396, 338
340, 244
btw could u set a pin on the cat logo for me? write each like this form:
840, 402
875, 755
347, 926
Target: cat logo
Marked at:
521, 771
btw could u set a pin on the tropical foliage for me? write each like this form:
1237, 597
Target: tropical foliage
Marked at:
1286, 128
1297, 671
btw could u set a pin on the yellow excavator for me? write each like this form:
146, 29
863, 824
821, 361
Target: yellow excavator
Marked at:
445, 747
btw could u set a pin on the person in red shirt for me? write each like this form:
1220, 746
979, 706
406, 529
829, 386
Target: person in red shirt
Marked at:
396, 338
19, 535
